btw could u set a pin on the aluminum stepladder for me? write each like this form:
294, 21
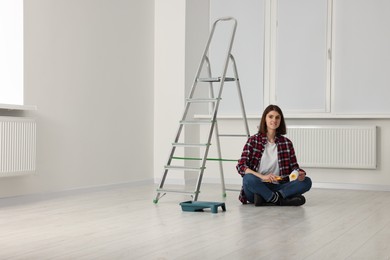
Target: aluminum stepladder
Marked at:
213, 102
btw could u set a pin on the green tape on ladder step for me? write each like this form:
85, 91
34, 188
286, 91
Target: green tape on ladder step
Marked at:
208, 159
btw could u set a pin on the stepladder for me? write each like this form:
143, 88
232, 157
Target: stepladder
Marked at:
205, 94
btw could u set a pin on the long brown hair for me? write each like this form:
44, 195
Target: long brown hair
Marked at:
263, 125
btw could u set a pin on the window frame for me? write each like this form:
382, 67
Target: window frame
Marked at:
270, 59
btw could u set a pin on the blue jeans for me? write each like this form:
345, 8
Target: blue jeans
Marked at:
253, 184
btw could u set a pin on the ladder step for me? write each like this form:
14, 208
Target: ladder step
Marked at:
189, 145
202, 100
214, 79
233, 135
195, 122
170, 167
177, 191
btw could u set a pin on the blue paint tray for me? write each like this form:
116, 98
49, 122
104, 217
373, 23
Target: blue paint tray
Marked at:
196, 206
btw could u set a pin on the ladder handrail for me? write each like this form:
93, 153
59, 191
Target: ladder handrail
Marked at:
204, 56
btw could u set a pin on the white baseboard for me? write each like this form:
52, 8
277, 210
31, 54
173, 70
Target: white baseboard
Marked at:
351, 186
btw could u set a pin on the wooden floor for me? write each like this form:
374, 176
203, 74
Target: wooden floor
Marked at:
121, 222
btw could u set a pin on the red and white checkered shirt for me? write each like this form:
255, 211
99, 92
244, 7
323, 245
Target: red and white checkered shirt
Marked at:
254, 149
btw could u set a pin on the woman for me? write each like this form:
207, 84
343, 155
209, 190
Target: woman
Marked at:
266, 162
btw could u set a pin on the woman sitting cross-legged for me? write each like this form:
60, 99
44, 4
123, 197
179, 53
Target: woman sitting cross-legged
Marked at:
267, 160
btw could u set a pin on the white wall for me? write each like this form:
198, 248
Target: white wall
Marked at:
169, 76
89, 70
181, 30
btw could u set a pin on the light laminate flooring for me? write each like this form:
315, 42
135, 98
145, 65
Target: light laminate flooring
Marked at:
121, 222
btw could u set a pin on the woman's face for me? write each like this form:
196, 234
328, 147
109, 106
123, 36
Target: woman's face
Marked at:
272, 120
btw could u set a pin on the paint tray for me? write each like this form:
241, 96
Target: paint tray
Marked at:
196, 206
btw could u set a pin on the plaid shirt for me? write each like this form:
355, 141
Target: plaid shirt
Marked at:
253, 151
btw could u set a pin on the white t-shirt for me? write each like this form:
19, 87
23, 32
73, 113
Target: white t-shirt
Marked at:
269, 160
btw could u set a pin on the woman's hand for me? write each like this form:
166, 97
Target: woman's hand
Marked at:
301, 175
271, 178
265, 178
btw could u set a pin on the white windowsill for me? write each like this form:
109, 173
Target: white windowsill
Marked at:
17, 107
304, 116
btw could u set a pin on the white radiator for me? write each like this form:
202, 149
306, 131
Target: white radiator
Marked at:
334, 146
17, 146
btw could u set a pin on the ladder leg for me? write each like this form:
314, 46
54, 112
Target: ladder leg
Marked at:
200, 176
211, 94
220, 160
159, 195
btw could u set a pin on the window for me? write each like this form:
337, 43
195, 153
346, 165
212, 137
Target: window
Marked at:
329, 58
248, 48
11, 52
322, 58
361, 57
301, 56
